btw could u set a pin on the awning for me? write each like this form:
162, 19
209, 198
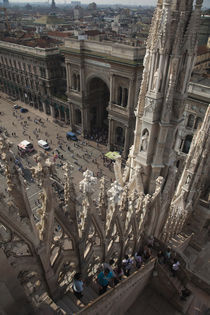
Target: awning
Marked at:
112, 155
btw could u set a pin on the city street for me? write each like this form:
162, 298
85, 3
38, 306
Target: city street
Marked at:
33, 126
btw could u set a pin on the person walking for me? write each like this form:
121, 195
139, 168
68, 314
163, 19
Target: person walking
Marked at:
127, 264
78, 285
175, 267
138, 259
103, 280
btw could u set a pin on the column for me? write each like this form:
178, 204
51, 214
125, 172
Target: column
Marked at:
59, 114
85, 120
44, 107
111, 90
65, 116
53, 111
111, 134
68, 77
71, 115
129, 93
126, 144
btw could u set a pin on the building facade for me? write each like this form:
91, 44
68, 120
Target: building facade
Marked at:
103, 80
36, 76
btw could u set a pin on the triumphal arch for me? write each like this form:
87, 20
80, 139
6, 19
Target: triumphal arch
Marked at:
103, 80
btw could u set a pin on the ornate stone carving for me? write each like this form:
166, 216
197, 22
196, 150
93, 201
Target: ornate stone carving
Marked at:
144, 141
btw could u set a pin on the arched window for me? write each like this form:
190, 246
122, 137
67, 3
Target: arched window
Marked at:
187, 143
119, 136
78, 82
74, 81
78, 118
190, 121
119, 96
197, 122
125, 99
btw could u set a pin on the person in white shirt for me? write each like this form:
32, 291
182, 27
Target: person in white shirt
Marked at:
175, 267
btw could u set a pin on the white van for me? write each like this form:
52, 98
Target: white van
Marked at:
25, 146
43, 144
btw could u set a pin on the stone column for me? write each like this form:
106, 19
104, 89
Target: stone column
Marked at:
65, 116
111, 134
129, 93
126, 143
85, 120
68, 77
44, 107
53, 111
59, 114
71, 115
111, 89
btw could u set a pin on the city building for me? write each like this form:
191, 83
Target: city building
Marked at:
148, 204
35, 75
103, 80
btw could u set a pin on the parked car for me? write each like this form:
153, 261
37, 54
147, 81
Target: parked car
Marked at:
23, 110
25, 146
16, 106
43, 144
71, 135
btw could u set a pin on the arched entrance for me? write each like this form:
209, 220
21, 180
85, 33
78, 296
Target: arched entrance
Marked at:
98, 100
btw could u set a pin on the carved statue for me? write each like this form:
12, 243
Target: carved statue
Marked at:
144, 141
155, 79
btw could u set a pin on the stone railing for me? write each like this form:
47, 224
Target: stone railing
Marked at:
184, 243
195, 278
123, 295
186, 274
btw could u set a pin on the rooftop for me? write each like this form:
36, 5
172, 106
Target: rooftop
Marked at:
30, 40
106, 50
27, 49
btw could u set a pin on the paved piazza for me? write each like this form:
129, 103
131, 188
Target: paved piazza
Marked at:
82, 155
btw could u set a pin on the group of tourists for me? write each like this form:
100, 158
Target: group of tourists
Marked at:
112, 272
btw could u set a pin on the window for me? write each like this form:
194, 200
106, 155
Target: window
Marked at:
119, 136
78, 119
74, 82
197, 122
125, 98
119, 96
43, 72
78, 82
190, 121
187, 143
122, 96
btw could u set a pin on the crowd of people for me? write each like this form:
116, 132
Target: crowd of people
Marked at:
114, 271
100, 135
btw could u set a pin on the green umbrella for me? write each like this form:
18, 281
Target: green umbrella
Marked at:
112, 155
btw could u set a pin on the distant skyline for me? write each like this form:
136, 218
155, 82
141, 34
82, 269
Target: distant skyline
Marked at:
206, 3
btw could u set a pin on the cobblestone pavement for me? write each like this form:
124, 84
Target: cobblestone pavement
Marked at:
81, 155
